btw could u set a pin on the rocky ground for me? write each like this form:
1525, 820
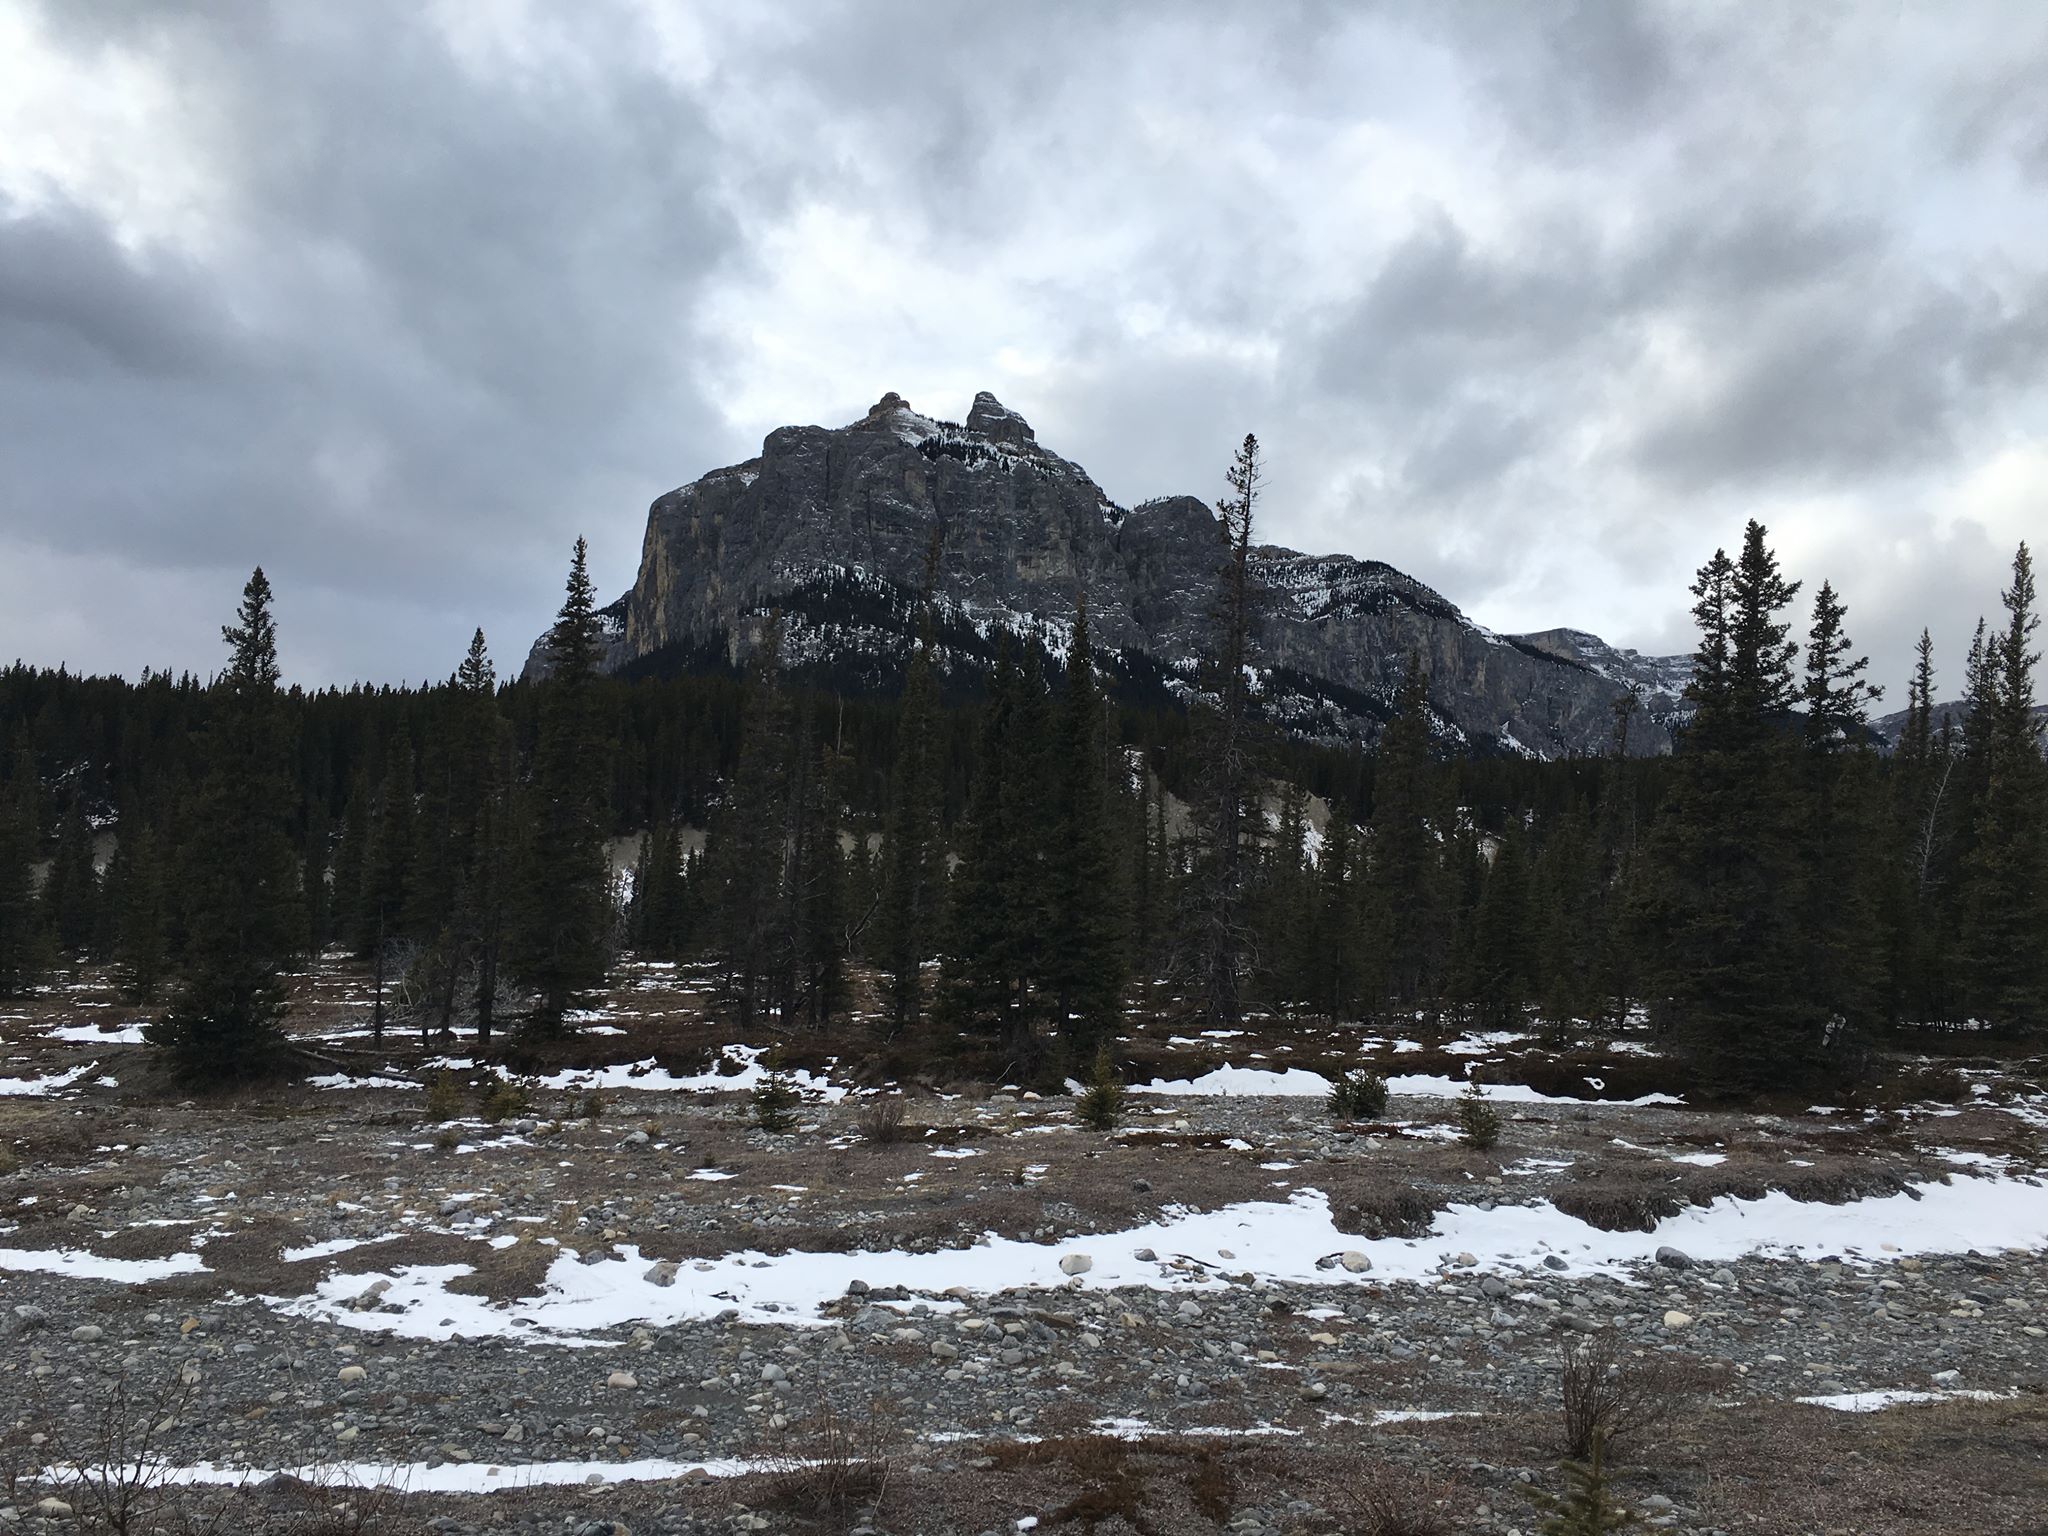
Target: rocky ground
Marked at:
1232, 1314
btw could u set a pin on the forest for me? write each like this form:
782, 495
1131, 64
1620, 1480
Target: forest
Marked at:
1004, 866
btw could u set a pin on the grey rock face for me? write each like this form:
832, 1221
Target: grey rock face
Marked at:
833, 529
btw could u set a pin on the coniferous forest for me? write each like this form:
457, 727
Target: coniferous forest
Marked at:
1005, 864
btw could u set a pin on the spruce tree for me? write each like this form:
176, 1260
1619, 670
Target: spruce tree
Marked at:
1504, 949
913, 861
225, 1019
384, 870
749, 845
564, 907
1409, 917
2005, 952
1224, 808
71, 893
139, 925
1727, 897
1083, 937
19, 915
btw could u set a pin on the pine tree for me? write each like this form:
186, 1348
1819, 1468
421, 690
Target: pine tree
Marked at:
1083, 944
350, 855
1408, 921
749, 845
1224, 810
1845, 882
993, 926
1504, 951
1727, 895
384, 869
71, 893
20, 947
224, 1021
913, 861
139, 928
2005, 956
564, 907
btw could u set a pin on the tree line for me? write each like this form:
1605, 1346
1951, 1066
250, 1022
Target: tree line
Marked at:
1000, 875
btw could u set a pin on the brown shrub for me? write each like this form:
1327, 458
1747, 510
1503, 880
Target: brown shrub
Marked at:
1605, 1394
1388, 1500
880, 1121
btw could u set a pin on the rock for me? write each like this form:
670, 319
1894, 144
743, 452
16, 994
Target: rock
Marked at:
661, 1272
1674, 1258
856, 1287
773, 1372
1675, 1319
622, 1381
1946, 1378
1552, 1261
1466, 1261
1145, 1256
1075, 1264
1493, 1287
348, 1375
1027, 528
943, 1350
29, 1315
1355, 1262
1189, 1309
88, 1333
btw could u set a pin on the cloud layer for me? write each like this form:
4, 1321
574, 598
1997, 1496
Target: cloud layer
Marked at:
1538, 303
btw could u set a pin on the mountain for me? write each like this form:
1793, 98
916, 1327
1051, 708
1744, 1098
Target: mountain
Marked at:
834, 530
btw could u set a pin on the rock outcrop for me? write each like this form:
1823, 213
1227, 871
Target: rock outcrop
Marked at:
836, 531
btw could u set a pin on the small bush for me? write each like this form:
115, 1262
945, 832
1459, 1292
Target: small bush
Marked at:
1358, 1095
775, 1102
1607, 1397
1478, 1121
447, 1139
1393, 1501
881, 1121
593, 1105
444, 1097
506, 1101
1101, 1105
840, 1466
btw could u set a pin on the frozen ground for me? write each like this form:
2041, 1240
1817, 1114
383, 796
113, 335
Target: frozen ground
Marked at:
658, 1314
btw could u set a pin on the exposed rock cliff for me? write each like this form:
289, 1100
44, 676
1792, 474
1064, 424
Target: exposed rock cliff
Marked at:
835, 529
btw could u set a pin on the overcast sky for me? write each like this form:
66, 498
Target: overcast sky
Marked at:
1536, 301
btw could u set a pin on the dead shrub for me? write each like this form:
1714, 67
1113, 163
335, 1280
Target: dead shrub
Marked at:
836, 1469
880, 1121
1389, 1500
1609, 1396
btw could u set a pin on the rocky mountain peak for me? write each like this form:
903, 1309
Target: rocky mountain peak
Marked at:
991, 418
834, 529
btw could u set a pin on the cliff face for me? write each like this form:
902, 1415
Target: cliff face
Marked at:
836, 529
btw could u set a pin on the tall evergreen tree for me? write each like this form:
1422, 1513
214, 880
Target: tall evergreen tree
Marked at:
1083, 955
139, 957
384, 870
71, 893
20, 926
749, 845
237, 890
2006, 948
913, 859
1728, 890
1224, 809
1408, 909
564, 911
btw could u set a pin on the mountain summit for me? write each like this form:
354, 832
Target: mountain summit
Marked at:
833, 529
